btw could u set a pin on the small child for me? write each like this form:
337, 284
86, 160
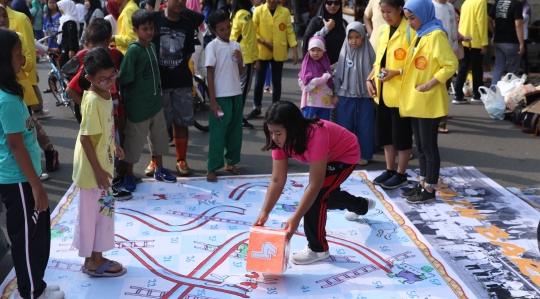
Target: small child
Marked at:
316, 81
142, 101
93, 167
224, 64
28, 214
355, 109
332, 153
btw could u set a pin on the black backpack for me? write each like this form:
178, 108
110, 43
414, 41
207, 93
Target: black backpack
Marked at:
517, 115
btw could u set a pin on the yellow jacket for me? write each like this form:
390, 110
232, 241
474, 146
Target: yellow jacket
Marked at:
473, 22
276, 29
19, 22
30, 98
396, 51
125, 33
243, 25
433, 58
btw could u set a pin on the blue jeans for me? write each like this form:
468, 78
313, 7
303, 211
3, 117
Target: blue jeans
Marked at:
505, 53
358, 116
310, 112
268, 77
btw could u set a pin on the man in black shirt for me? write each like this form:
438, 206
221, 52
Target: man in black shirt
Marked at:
506, 24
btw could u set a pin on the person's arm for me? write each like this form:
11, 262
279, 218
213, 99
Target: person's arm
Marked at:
73, 37
368, 15
210, 62
291, 38
519, 31
315, 82
196, 18
447, 60
275, 188
75, 96
371, 89
317, 171
22, 157
103, 178
239, 60
29, 61
482, 23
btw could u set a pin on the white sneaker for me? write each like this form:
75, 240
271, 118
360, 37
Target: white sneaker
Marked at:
50, 292
307, 256
352, 216
43, 176
363, 162
42, 113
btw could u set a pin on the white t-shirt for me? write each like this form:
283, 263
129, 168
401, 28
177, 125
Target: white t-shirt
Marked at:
526, 20
81, 12
446, 14
219, 54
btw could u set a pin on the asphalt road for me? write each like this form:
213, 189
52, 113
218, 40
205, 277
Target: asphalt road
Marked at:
497, 148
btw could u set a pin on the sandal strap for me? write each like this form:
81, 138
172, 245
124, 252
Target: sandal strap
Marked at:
106, 266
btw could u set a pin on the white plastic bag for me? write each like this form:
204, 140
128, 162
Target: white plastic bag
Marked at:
493, 101
509, 83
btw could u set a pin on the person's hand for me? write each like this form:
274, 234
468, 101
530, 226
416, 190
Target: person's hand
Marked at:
423, 87
103, 179
291, 226
521, 49
119, 153
41, 200
54, 51
467, 39
238, 55
492, 41
256, 65
330, 24
295, 56
371, 89
214, 107
71, 54
260, 40
483, 51
335, 100
261, 219
389, 74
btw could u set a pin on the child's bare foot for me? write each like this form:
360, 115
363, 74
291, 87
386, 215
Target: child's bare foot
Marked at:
211, 177
233, 169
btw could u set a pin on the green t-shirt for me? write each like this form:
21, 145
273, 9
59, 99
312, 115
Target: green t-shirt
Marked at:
140, 71
14, 118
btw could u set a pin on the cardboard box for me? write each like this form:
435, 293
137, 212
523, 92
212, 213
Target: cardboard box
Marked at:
531, 97
533, 108
268, 250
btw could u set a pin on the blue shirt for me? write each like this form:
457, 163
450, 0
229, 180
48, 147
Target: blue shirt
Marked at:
14, 118
52, 28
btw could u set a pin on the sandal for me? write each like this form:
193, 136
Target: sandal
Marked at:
102, 270
47, 90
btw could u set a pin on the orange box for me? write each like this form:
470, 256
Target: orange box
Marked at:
268, 250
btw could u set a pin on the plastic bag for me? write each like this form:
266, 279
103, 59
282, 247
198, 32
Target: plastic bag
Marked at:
493, 101
509, 83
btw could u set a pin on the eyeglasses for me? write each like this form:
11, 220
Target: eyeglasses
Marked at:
109, 79
335, 3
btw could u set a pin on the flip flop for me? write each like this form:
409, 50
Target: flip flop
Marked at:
101, 271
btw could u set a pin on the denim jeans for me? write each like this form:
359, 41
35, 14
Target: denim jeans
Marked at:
277, 70
505, 53
358, 116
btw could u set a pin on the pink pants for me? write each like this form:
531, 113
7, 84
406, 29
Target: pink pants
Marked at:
94, 230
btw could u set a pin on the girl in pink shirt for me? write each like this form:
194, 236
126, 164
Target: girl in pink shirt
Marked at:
332, 153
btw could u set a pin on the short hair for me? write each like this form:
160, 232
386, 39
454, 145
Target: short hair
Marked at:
103, 22
97, 59
151, 3
217, 17
140, 17
97, 33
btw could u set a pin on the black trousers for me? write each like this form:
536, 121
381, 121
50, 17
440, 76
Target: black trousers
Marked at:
30, 236
260, 75
471, 56
245, 81
426, 131
330, 197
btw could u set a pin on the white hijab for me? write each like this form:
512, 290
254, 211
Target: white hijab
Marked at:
70, 14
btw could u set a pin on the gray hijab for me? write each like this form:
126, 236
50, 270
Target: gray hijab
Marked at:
354, 65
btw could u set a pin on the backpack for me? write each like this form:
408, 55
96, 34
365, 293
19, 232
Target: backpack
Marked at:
518, 115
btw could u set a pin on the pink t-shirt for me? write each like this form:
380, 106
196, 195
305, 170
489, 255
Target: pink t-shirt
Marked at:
331, 141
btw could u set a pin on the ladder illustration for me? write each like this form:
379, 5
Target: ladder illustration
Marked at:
118, 245
191, 296
212, 218
66, 266
146, 293
341, 259
354, 273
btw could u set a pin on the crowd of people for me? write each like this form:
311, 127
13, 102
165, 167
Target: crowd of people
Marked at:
382, 84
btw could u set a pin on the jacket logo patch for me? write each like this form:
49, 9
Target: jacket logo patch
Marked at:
400, 54
421, 63
282, 27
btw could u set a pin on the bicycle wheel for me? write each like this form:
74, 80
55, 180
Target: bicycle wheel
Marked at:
201, 106
55, 87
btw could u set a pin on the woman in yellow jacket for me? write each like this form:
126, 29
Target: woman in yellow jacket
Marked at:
429, 64
275, 35
243, 32
392, 131
125, 28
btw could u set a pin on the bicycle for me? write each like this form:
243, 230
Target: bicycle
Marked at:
201, 104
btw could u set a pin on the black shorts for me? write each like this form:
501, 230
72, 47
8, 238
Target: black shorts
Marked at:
391, 128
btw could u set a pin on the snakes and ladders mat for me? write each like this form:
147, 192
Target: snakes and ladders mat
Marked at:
190, 240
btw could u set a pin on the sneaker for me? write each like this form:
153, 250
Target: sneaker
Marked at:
459, 101
162, 174
352, 216
149, 171
51, 160
307, 256
363, 162
410, 191
253, 114
421, 196
121, 194
50, 292
384, 177
41, 114
246, 124
396, 181
129, 183
171, 142
182, 168
119, 181
473, 100
43, 176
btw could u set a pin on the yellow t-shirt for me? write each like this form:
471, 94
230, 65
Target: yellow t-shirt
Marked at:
98, 123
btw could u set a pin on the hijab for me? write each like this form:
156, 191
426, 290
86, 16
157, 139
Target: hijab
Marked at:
312, 68
195, 6
70, 14
355, 65
425, 12
113, 8
334, 38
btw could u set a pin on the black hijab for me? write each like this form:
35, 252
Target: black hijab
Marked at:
334, 39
